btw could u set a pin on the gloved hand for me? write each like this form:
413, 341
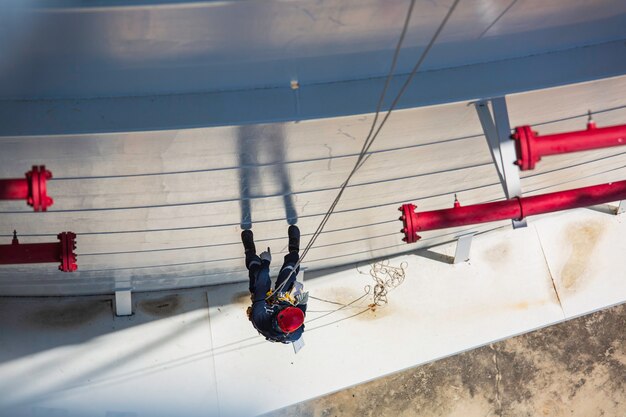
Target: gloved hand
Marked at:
266, 255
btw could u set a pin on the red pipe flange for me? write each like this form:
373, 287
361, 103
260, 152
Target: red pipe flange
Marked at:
524, 140
410, 234
33, 189
37, 191
68, 257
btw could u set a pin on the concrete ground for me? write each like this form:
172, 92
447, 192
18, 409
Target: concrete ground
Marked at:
194, 353
576, 368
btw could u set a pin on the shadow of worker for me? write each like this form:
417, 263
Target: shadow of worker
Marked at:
262, 165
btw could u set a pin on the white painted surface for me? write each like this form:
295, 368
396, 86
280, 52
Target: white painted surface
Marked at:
188, 362
123, 303
160, 210
74, 358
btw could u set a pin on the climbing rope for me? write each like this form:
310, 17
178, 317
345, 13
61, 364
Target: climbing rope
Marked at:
374, 132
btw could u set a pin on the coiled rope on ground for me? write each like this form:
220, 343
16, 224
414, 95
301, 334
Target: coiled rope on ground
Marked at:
386, 278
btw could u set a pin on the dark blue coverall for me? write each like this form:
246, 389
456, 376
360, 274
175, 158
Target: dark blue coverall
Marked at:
263, 315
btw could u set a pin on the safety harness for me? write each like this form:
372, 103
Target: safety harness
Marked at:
296, 296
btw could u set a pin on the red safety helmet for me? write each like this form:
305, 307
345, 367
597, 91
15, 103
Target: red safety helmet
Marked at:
290, 319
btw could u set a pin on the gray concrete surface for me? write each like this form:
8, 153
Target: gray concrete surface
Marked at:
576, 368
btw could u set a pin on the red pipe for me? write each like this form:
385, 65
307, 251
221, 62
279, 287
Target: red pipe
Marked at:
35, 253
515, 208
32, 189
530, 147
14, 189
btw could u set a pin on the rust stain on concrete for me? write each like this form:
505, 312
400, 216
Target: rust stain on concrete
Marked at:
70, 314
242, 297
498, 254
336, 297
376, 312
163, 306
522, 305
583, 240
481, 309
525, 305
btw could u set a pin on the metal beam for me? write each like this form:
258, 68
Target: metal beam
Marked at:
463, 246
491, 134
123, 302
497, 132
508, 156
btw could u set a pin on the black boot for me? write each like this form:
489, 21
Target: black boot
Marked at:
294, 238
248, 242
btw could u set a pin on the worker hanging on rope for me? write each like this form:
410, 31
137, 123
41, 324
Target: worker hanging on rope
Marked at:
276, 314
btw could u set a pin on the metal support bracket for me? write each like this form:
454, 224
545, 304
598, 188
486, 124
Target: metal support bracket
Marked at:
498, 131
621, 208
463, 246
123, 302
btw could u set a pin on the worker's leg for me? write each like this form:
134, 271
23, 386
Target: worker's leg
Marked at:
285, 274
291, 259
294, 238
254, 266
253, 262
247, 238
